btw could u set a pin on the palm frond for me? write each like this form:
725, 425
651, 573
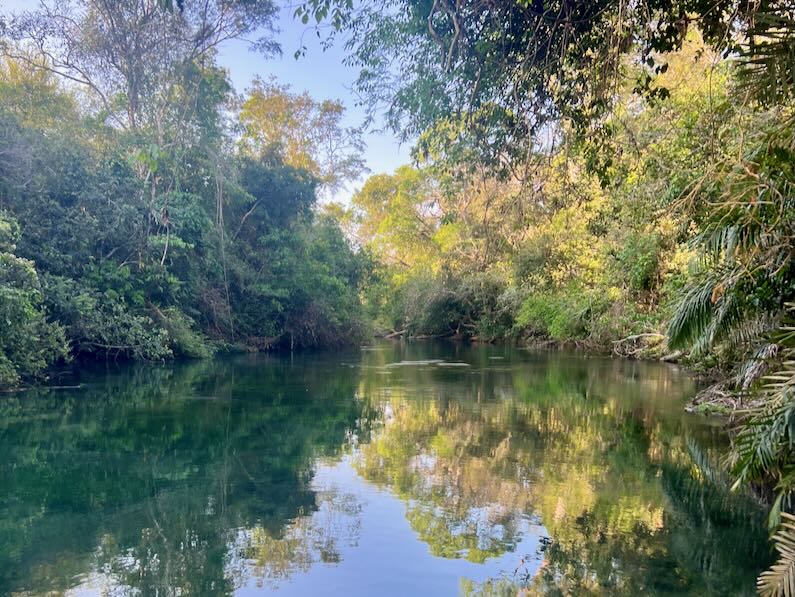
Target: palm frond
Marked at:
764, 445
692, 314
779, 579
753, 330
767, 61
708, 466
754, 368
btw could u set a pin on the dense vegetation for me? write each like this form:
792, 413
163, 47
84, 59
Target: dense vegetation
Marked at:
140, 217
616, 176
613, 175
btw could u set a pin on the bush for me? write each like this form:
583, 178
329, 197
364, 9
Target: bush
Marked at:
183, 338
558, 316
102, 324
29, 343
639, 259
430, 305
565, 315
479, 304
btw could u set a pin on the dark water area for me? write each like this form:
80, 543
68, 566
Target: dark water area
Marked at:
397, 469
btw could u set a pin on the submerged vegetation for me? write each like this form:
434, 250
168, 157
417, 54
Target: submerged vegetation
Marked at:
613, 176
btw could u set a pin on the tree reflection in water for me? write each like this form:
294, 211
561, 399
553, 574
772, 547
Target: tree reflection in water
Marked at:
202, 478
598, 457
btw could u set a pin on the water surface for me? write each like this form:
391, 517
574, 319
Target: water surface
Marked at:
399, 469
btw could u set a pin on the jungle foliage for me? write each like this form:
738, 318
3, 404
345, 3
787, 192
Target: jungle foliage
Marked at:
132, 223
611, 175
572, 254
621, 174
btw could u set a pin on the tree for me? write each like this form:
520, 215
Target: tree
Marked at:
132, 55
500, 76
398, 215
305, 133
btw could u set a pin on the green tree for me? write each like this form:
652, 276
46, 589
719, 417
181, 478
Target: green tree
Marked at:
305, 133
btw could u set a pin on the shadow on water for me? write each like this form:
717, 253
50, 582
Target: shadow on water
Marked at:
489, 469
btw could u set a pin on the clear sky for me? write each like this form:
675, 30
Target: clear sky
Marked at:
321, 73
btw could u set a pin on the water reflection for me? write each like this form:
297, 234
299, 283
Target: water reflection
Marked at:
417, 469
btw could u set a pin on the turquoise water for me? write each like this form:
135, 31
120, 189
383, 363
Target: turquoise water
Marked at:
398, 469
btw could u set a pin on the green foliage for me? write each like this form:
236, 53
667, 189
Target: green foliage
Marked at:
184, 339
563, 316
475, 305
481, 84
745, 275
159, 238
692, 316
29, 343
640, 260
779, 580
428, 305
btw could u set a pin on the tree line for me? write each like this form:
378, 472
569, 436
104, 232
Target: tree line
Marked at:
146, 209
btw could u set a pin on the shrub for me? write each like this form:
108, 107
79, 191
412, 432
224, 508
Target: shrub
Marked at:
183, 338
102, 324
29, 343
566, 314
639, 259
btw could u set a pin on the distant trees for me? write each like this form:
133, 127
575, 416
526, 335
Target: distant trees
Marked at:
303, 132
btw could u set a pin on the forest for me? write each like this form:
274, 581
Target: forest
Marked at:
609, 176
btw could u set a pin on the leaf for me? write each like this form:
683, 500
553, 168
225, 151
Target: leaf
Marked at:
779, 579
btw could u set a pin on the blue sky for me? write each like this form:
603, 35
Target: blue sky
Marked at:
321, 73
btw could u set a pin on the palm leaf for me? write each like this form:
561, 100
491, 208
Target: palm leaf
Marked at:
779, 579
692, 314
767, 59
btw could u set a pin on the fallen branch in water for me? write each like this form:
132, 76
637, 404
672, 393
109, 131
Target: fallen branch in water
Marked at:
395, 334
630, 347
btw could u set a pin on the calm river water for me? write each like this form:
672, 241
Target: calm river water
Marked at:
398, 469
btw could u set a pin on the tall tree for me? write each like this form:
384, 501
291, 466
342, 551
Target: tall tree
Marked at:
133, 54
304, 132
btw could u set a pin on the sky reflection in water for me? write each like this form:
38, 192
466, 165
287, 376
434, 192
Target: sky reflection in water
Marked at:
422, 469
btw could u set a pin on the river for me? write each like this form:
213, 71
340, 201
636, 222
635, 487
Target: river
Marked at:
396, 469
